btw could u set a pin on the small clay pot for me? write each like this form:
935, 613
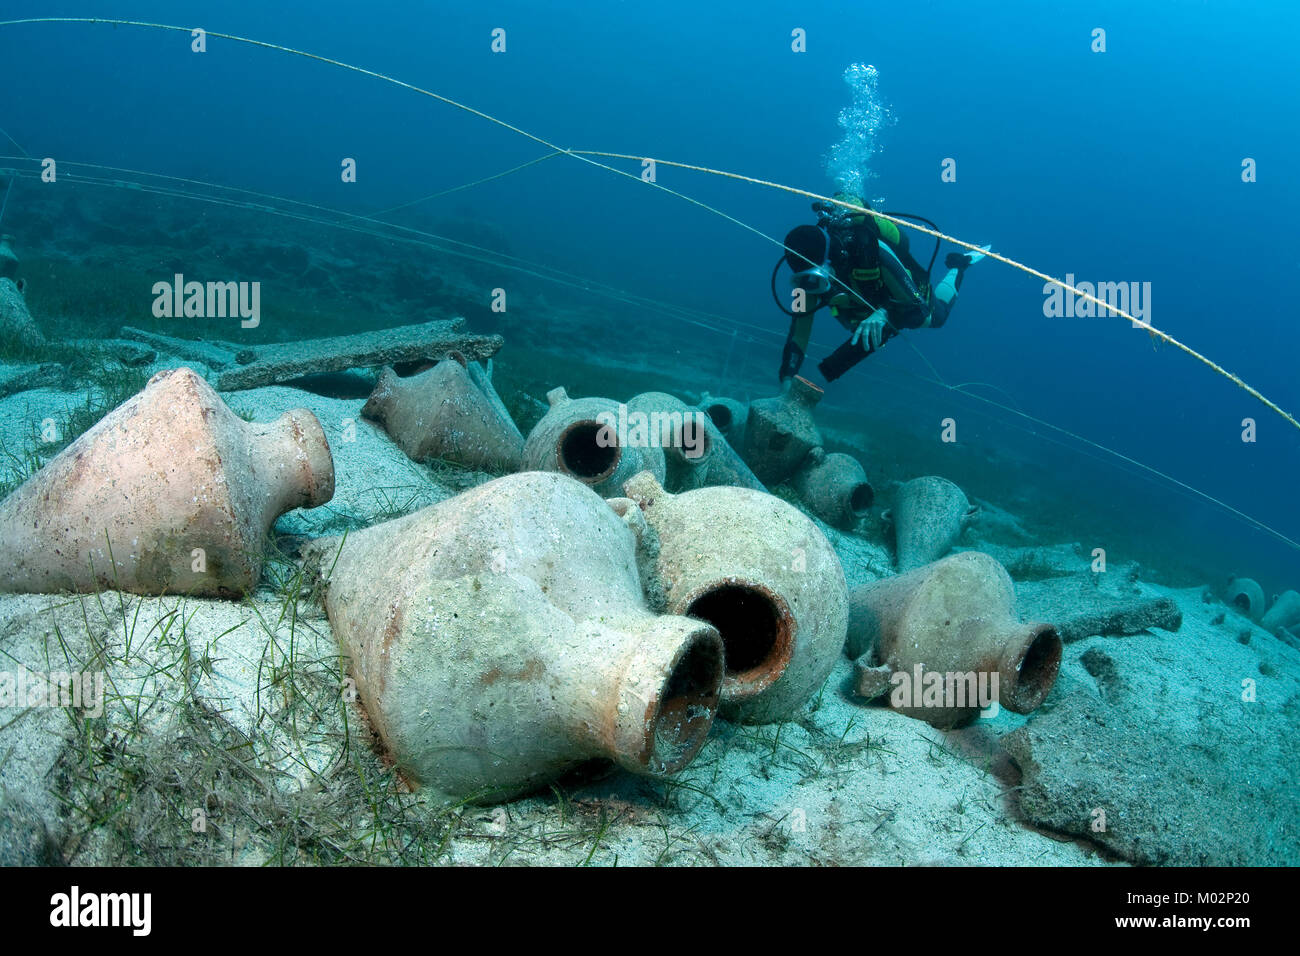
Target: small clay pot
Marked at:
576, 438
17, 327
445, 413
834, 487
1285, 613
780, 431
757, 569
728, 416
1246, 597
170, 492
929, 515
500, 637
954, 619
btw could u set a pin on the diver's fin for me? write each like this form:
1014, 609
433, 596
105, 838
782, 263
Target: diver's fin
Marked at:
976, 255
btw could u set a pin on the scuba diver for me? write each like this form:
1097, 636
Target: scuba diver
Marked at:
859, 265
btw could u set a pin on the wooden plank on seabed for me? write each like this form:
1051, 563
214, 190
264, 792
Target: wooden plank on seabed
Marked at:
283, 361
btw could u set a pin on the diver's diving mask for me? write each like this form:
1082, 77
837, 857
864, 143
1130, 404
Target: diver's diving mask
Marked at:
814, 281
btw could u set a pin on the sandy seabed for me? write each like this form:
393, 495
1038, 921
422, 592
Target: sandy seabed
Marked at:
224, 737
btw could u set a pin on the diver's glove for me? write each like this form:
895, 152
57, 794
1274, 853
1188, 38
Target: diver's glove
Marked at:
961, 260
872, 329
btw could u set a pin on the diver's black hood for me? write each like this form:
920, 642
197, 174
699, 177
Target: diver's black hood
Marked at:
806, 247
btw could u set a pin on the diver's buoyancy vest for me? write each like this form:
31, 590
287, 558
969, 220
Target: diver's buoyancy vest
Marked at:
879, 276
855, 257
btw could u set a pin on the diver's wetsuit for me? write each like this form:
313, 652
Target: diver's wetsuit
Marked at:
873, 260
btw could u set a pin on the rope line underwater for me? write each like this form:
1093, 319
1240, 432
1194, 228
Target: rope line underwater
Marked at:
668, 310
587, 156
793, 190
1087, 297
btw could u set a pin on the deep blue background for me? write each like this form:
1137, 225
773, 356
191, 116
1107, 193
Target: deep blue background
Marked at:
1116, 166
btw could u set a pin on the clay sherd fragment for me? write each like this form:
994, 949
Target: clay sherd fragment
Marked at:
1111, 618
1104, 671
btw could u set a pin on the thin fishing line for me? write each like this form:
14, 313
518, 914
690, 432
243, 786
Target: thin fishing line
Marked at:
269, 196
717, 212
944, 382
631, 299
26, 155
939, 379
966, 385
464, 186
578, 281
1196, 492
1086, 296
480, 255
404, 85
290, 50
585, 154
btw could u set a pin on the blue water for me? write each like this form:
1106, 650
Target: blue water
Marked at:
1115, 166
